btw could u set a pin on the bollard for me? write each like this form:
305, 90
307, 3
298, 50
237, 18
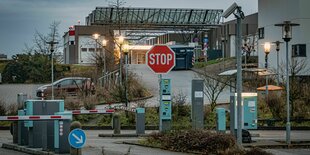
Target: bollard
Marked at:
14, 131
21, 98
74, 151
220, 120
116, 124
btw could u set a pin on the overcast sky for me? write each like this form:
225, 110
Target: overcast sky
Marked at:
19, 19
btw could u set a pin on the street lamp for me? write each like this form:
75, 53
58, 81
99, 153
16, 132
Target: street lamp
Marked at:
278, 49
267, 51
96, 37
104, 44
120, 42
52, 43
287, 36
126, 50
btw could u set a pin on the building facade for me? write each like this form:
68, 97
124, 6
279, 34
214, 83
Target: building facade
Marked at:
80, 47
275, 12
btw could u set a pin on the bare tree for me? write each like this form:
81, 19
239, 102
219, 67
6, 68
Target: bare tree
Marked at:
213, 85
297, 68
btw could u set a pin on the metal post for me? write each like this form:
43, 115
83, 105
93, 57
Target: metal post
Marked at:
52, 56
126, 78
160, 100
105, 63
278, 76
120, 65
239, 82
288, 124
52, 43
266, 66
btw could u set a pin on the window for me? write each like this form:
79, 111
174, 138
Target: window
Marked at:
261, 33
84, 49
91, 50
299, 50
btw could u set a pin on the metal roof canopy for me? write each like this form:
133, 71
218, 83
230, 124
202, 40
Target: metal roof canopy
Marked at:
126, 18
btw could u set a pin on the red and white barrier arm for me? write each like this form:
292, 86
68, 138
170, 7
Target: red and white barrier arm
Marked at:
96, 111
34, 117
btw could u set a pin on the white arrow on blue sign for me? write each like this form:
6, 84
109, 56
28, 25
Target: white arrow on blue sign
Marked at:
77, 138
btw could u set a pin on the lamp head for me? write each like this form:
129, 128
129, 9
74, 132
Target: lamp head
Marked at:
126, 48
120, 39
277, 45
287, 30
267, 47
104, 43
96, 36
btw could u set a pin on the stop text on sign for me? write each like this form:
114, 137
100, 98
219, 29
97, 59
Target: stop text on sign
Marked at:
160, 59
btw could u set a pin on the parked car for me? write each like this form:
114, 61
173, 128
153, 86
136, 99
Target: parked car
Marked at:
63, 87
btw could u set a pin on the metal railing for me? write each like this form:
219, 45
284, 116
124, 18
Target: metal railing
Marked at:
109, 79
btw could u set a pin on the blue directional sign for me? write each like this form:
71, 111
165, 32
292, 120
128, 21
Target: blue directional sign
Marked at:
77, 138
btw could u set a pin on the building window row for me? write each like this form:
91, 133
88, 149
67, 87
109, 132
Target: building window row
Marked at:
91, 49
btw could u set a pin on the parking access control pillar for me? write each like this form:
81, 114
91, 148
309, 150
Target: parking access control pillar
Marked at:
140, 121
165, 105
197, 104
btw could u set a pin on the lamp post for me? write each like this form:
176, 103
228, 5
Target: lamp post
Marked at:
278, 49
126, 50
267, 51
223, 50
96, 37
287, 36
120, 42
52, 43
104, 44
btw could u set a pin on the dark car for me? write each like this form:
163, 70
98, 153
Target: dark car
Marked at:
69, 86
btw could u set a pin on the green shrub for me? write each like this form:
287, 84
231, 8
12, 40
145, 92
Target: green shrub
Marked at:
201, 141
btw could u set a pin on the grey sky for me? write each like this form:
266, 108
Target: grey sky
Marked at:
19, 19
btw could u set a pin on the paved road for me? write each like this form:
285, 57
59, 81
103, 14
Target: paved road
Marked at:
181, 83
180, 79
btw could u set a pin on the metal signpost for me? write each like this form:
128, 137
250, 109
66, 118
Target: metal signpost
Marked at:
77, 138
161, 59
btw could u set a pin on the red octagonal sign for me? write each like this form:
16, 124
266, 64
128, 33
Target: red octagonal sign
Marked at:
160, 58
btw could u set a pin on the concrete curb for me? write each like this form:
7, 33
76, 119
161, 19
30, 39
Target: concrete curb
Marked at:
34, 151
275, 146
122, 135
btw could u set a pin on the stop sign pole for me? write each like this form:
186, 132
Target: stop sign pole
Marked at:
161, 60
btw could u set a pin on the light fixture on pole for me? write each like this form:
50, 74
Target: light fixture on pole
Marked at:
287, 36
52, 43
96, 37
120, 42
126, 50
278, 49
104, 44
267, 51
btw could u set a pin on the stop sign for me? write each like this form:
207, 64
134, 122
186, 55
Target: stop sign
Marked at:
160, 58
